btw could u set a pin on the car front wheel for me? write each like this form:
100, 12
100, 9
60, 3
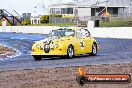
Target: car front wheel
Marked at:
94, 50
70, 52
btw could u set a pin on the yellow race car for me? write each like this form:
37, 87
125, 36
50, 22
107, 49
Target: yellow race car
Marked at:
67, 42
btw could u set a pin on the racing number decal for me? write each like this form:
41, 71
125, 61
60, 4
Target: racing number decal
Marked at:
82, 45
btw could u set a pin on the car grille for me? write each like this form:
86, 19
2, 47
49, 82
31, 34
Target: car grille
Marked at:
46, 48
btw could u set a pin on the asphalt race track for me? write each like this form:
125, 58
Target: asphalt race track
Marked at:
112, 51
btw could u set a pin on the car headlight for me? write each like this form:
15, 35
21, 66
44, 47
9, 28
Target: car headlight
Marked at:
38, 46
55, 45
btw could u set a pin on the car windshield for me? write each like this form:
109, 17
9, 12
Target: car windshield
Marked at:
62, 32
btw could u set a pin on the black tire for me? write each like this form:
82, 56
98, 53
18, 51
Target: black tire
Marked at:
94, 50
37, 58
81, 80
70, 52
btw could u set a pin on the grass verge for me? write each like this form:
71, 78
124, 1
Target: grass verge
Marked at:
117, 23
54, 24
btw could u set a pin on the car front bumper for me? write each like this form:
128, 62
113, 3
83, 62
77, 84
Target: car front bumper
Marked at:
57, 52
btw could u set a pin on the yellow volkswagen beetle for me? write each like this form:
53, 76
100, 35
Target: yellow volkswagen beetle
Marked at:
67, 42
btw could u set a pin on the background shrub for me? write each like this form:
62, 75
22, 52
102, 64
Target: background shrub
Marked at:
44, 19
26, 22
55, 15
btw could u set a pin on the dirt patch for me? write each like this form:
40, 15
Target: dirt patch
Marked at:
61, 77
5, 51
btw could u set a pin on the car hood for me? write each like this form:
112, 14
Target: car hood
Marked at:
54, 39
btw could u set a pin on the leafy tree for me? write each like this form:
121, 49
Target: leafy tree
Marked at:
26, 16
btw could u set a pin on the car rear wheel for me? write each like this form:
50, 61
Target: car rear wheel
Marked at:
37, 58
94, 50
70, 52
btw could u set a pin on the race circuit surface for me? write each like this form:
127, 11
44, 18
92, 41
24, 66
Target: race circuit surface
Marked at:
112, 51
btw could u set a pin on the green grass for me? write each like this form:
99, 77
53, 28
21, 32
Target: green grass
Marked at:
116, 23
54, 24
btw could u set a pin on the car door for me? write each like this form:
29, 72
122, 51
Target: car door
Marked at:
81, 42
85, 41
88, 41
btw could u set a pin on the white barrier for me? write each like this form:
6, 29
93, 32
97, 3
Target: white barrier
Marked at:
29, 29
113, 32
107, 32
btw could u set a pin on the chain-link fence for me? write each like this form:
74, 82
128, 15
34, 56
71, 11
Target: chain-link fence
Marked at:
125, 15
116, 19
78, 21
60, 20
